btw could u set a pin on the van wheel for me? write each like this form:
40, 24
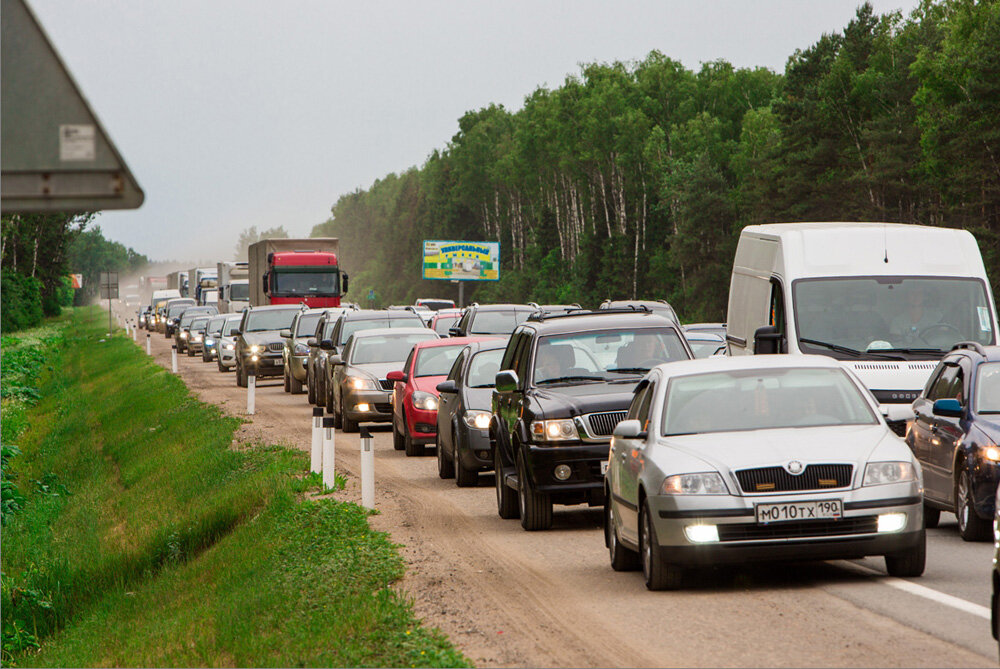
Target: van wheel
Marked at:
970, 526
507, 506
535, 507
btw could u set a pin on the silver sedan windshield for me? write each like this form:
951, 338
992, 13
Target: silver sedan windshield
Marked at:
760, 399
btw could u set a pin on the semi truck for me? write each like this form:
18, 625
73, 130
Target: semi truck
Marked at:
296, 271
199, 280
178, 281
233, 286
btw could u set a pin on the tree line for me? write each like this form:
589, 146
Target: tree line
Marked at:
633, 180
38, 252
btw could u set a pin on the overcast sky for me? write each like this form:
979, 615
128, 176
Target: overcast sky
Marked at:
236, 113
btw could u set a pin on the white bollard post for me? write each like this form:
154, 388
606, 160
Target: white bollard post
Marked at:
316, 455
135, 333
367, 470
148, 350
173, 358
251, 393
329, 434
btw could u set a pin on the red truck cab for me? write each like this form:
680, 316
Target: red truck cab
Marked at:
310, 277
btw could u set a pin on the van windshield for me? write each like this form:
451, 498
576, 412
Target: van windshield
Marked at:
906, 316
239, 291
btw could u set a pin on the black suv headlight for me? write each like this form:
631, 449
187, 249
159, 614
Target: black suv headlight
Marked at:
556, 429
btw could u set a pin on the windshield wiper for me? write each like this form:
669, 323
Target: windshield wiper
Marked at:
483, 385
926, 351
629, 370
564, 379
849, 351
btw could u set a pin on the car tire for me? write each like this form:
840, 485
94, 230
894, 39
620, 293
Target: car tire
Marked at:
347, 425
970, 526
218, 364
412, 449
463, 477
446, 467
329, 404
909, 563
535, 507
294, 385
284, 378
622, 558
932, 516
190, 352
241, 375
310, 387
397, 437
656, 571
507, 505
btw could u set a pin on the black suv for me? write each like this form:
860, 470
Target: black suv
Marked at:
565, 381
491, 319
954, 435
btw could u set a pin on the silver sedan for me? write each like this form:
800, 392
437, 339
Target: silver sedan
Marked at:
758, 458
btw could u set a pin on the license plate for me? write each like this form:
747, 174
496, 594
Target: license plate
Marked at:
827, 509
604, 467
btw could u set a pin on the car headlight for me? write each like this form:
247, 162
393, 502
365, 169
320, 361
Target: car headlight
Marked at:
701, 483
196, 338
254, 348
361, 383
880, 473
425, 401
559, 429
300, 349
229, 347
209, 342
184, 335
479, 420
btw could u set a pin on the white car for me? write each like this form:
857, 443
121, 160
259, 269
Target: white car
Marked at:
226, 345
768, 457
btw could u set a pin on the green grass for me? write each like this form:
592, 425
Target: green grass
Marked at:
145, 538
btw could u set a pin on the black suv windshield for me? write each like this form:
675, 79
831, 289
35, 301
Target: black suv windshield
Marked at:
497, 322
605, 355
278, 319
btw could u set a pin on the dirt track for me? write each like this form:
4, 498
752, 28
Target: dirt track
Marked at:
507, 597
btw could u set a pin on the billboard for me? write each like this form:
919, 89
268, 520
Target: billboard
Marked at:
461, 261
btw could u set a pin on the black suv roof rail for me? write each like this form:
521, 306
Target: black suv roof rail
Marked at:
974, 345
540, 316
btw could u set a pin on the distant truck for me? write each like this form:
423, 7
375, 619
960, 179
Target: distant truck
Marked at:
201, 279
296, 271
234, 289
178, 281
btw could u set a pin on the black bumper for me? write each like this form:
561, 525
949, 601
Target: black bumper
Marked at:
585, 462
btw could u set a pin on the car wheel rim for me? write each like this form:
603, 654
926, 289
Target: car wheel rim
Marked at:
647, 557
612, 538
963, 501
521, 493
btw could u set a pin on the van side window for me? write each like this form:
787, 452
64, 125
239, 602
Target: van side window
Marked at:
776, 313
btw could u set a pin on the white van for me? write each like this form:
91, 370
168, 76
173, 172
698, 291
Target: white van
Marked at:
886, 299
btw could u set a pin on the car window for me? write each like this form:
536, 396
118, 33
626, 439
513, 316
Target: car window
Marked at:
942, 388
442, 324
455, 373
638, 400
350, 327
497, 322
436, 360
988, 388
307, 323
231, 327
385, 348
483, 369
508, 356
759, 399
605, 355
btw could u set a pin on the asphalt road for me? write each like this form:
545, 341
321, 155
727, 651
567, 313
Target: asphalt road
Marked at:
512, 598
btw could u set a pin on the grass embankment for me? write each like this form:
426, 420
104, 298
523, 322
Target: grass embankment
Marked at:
144, 537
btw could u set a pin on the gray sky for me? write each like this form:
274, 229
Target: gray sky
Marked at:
234, 113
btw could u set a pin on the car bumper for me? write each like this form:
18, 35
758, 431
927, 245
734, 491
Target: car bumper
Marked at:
585, 462
368, 406
211, 350
421, 424
297, 367
985, 476
265, 365
227, 357
741, 538
474, 448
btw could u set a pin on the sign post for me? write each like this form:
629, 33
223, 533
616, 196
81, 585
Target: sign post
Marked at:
109, 290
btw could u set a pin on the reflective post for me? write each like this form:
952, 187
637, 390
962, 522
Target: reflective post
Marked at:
329, 434
316, 455
367, 469
251, 393
173, 358
148, 349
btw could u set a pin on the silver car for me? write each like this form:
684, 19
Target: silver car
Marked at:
726, 460
295, 352
226, 346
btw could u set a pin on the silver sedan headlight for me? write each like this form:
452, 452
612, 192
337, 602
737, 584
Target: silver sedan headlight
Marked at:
701, 483
880, 473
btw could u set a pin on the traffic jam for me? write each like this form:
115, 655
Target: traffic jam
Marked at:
851, 397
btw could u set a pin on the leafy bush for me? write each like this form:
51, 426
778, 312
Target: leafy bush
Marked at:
20, 301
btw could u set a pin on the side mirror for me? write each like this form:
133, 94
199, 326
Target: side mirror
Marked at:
395, 375
629, 429
344, 284
327, 345
947, 407
263, 282
447, 387
285, 334
506, 381
454, 332
312, 341
767, 340
335, 359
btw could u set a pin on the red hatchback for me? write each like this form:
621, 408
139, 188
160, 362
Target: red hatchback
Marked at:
415, 395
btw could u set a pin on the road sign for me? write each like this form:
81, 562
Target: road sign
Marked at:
461, 261
55, 155
371, 294
109, 285
77, 280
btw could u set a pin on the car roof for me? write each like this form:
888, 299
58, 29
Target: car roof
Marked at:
599, 320
275, 307
452, 341
747, 362
974, 350
376, 314
376, 332
503, 307
703, 336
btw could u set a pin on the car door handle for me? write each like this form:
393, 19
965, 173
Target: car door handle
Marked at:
935, 430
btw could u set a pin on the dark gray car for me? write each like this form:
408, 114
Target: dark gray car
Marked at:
259, 344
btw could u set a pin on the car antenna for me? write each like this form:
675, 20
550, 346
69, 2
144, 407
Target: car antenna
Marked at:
885, 245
